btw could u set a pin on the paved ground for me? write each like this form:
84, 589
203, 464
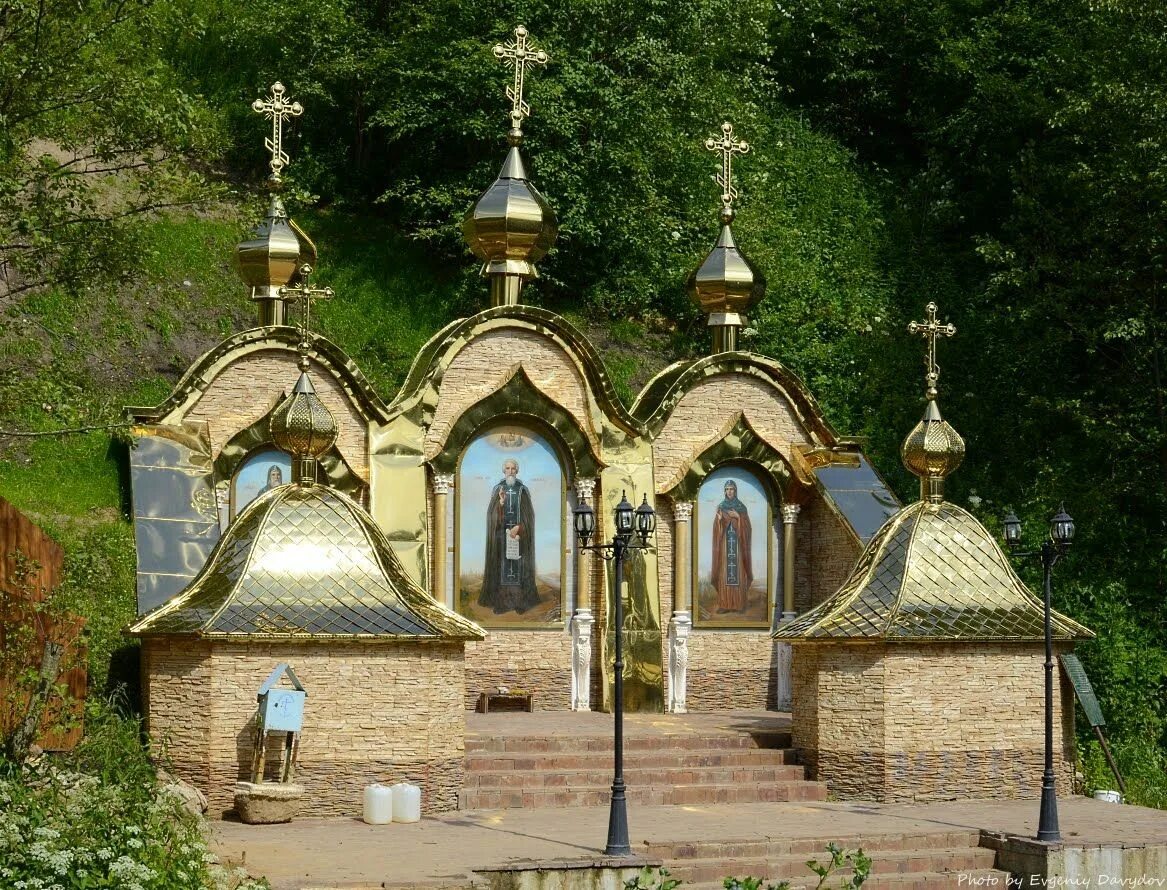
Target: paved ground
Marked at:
443, 850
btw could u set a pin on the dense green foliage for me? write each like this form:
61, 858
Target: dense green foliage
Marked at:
1006, 160
98, 819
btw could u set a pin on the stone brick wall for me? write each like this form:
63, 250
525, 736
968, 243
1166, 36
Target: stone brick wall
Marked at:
928, 721
481, 366
534, 661
250, 387
376, 712
708, 407
734, 669
831, 551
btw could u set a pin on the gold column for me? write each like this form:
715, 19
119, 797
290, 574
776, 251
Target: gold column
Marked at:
443, 482
789, 519
682, 546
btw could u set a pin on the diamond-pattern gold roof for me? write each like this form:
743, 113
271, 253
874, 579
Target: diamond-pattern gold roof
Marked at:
305, 562
932, 572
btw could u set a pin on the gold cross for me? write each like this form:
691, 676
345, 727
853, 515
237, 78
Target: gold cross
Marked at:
304, 291
276, 108
519, 54
728, 148
930, 330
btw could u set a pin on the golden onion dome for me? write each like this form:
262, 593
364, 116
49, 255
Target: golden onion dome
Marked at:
932, 451
727, 284
511, 226
303, 426
272, 258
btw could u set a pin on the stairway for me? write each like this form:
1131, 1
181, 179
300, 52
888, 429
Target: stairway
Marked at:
538, 771
943, 860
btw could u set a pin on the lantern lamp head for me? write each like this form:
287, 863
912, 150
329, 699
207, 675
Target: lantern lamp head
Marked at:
584, 518
645, 521
1061, 528
624, 518
1012, 530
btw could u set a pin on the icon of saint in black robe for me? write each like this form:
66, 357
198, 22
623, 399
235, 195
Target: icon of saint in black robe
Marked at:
508, 578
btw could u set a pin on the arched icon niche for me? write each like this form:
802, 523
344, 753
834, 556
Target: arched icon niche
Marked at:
510, 553
733, 540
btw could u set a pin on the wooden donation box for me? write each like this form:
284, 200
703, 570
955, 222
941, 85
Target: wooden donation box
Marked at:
280, 710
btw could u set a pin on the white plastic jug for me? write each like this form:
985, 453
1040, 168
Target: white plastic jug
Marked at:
379, 804
406, 802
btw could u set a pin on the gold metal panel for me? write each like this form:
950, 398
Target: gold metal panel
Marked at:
305, 561
398, 492
932, 573
631, 473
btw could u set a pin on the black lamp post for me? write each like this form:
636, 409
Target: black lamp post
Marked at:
642, 520
1061, 534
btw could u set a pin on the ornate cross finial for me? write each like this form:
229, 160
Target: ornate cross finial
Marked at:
519, 54
728, 148
276, 107
304, 291
930, 330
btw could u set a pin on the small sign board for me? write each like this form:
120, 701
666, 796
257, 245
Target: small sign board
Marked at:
1082, 688
282, 710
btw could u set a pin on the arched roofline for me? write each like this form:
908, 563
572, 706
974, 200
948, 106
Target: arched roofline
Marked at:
281, 339
739, 442
518, 400
418, 396
660, 396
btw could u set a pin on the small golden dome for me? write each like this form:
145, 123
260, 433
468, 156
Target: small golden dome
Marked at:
932, 451
273, 256
727, 283
511, 226
301, 425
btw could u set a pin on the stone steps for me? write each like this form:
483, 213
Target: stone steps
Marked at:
636, 776
503, 772
537, 795
933, 861
476, 744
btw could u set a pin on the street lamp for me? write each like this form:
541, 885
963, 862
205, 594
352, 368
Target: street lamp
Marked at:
1061, 534
642, 521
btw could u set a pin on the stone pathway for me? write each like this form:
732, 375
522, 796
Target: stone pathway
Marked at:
443, 851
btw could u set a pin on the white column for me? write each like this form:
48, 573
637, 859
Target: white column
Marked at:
789, 519
783, 653
583, 620
442, 484
682, 621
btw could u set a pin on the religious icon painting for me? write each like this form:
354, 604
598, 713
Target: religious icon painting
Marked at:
509, 551
259, 473
733, 531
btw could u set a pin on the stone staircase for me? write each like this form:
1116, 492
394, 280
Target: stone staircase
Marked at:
538, 771
943, 860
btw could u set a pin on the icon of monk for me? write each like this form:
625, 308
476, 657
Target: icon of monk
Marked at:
733, 571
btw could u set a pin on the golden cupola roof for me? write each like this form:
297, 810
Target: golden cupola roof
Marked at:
305, 562
726, 284
273, 256
271, 259
932, 572
511, 226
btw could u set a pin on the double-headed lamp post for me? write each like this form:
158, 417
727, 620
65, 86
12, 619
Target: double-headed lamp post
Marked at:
1061, 534
642, 522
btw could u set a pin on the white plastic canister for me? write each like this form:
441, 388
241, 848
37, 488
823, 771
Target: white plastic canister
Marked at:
406, 802
378, 804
